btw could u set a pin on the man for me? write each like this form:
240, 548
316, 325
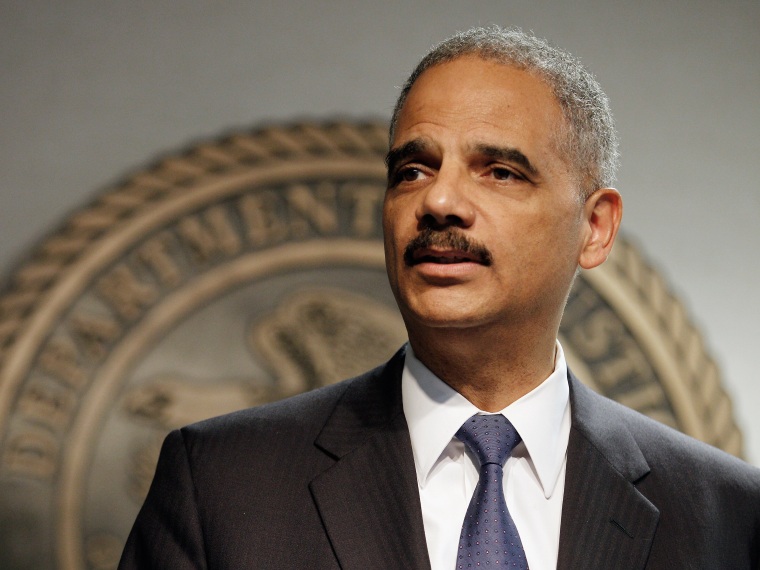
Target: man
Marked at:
500, 167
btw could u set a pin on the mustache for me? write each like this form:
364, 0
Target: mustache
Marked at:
449, 238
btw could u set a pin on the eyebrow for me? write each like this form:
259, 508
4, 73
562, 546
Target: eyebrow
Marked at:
418, 146
396, 155
507, 154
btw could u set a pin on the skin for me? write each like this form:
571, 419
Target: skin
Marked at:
474, 154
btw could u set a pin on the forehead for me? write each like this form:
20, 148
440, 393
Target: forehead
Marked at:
475, 97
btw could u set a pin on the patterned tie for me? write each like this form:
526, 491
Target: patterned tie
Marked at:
489, 535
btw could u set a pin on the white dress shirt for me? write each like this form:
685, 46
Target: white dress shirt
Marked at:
534, 476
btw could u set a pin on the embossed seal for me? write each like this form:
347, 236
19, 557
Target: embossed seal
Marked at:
242, 271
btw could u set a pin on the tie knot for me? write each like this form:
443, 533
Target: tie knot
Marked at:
492, 438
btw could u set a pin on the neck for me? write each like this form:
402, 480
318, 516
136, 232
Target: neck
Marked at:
491, 369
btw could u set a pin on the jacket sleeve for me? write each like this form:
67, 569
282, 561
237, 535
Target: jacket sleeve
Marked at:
167, 534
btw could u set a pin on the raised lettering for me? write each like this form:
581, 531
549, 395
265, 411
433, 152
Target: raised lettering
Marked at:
209, 235
47, 404
644, 397
125, 293
594, 336
94, 333
315, 207
155, 255
32, 453
365, 198
263, 224
61, 359
227, 237
627, 362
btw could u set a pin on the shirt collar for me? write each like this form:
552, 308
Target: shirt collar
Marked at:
434, 413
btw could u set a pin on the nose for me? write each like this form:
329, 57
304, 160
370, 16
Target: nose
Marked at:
445, 202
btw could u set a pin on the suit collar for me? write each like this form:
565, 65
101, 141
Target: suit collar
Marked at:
606, 522
368, 500
369, 404
595, 419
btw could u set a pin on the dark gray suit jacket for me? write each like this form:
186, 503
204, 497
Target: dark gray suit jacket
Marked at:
326, 480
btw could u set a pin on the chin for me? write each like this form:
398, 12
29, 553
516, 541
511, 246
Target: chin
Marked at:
443, 315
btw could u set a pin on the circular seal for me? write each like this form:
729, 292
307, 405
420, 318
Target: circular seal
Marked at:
241, 271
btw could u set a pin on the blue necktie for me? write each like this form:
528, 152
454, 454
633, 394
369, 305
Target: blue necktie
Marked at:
489, 535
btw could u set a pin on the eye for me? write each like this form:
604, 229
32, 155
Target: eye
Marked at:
501, 173
408, 174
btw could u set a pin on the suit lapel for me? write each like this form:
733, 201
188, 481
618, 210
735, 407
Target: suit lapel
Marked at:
368, 500
606, 522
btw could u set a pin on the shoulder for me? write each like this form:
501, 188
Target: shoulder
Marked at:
299, 419
293, 413
254, 448
673, 458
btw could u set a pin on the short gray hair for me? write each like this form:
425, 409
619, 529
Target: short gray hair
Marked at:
590, 142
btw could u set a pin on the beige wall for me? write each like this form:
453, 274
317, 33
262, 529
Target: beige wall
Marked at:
93, 90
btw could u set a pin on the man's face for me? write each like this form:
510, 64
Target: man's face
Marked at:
482, 221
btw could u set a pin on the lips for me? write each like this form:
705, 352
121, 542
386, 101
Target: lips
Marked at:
427, 255
445, 247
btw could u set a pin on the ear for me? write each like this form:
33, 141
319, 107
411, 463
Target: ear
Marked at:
602, 212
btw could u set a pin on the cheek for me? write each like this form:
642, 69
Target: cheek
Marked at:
387, 219
397, 227
392, 243
533, 238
